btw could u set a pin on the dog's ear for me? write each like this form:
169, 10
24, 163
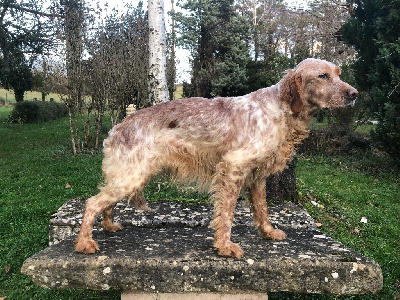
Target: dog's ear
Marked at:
292, 92
297, 102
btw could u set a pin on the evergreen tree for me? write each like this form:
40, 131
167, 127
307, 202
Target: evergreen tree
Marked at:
217, 37
24, 34
15, 73
374, 30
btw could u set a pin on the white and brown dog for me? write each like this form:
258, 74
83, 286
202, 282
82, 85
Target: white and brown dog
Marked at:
224, 145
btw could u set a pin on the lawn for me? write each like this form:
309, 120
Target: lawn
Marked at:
8, 95
38, 174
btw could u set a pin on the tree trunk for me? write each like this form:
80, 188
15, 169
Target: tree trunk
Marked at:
19, 94
158, 90
281, 187
171, 68
71, 131
74, 20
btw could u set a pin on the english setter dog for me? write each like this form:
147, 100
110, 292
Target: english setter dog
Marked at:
224, 145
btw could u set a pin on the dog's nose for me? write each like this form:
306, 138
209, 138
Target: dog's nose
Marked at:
351, 94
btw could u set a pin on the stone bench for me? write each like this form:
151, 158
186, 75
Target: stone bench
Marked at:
169, 253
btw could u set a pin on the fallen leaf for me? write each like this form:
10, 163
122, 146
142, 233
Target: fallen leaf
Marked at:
67, 186
319, 225
368, 202
356, 231
311, 197
7, 269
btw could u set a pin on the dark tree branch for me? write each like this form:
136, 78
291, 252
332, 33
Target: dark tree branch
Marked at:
7, 5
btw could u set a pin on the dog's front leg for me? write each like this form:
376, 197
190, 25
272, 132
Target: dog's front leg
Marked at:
228, 183
261, 217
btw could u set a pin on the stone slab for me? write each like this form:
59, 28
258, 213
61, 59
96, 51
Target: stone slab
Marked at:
181, 259
192, 296
67, 220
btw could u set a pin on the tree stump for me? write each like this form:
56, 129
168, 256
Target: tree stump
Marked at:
281, 187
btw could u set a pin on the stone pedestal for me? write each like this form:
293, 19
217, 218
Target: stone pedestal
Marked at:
193, 296
168, 254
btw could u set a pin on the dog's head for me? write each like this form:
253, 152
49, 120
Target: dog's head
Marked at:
315, 84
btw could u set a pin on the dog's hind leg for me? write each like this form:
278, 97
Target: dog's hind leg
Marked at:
260, 209
107, 220
95, 205
104, 202
130, 181
137, 200
228, 183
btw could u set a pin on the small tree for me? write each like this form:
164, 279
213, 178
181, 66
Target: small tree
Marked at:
16, 74
25, 33
119, 62
39, 80
74, 31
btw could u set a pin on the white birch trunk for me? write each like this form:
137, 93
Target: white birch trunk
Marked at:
158, 91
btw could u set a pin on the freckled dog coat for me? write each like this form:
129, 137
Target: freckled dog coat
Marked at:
224, 145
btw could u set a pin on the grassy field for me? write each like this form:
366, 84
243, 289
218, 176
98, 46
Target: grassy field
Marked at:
178, 94
38, 174
8, 96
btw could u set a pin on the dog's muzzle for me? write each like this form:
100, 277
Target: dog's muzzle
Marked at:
351, 95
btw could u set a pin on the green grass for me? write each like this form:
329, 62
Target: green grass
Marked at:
350, 189
178, 94
36, 164
8, 95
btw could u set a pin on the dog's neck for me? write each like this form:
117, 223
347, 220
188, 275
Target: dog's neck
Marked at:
297, 123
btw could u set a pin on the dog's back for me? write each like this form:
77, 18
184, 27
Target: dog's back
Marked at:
189, 137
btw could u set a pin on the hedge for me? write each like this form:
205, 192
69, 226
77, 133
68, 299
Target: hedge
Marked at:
37, 111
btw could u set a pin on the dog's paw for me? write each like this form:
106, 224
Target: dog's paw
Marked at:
86, 246
231, 250
113, 227
146, 208
275, 234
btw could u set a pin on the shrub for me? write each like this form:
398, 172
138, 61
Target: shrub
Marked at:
333, 140
387, 133
37, 111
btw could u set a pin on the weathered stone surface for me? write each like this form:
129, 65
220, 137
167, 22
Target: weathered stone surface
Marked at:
67, 220
176, 259
193, 296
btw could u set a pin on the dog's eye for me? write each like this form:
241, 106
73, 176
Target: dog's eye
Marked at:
324, 76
